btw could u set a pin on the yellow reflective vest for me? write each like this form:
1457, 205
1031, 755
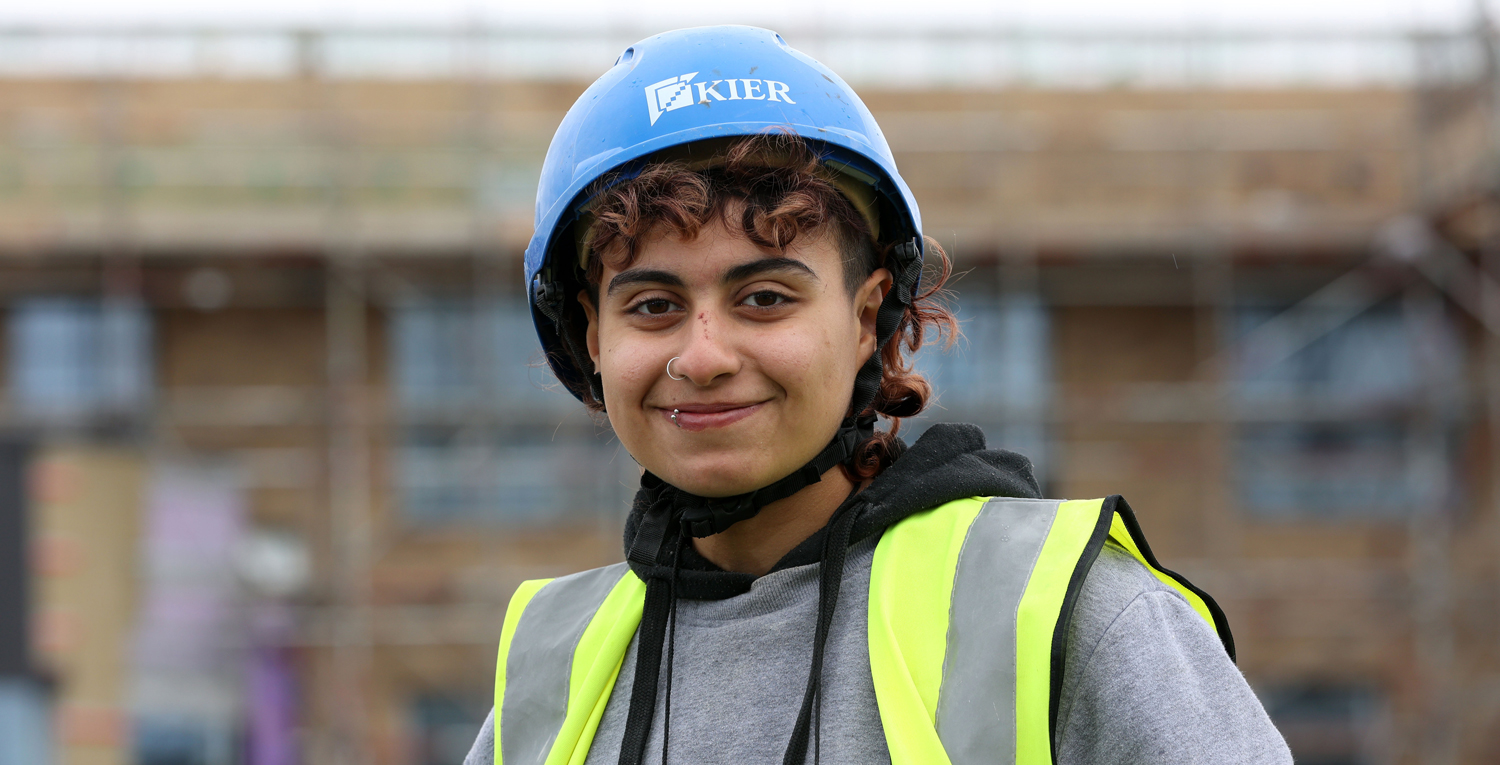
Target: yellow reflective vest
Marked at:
967, 628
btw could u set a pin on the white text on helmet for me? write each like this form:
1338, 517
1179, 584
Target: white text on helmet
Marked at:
677, 92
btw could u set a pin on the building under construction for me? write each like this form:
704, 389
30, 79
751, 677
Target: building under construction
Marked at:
278, 444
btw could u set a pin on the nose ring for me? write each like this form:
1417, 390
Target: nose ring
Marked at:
669, 369
674, 419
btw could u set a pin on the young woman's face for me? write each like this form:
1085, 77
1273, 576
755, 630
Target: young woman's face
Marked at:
767, 344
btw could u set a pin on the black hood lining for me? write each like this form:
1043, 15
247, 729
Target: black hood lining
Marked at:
950, 461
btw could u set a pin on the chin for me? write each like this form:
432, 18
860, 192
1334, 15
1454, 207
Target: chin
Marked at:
721, 478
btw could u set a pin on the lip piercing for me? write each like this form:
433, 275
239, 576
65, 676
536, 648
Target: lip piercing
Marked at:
669, 369
674, 419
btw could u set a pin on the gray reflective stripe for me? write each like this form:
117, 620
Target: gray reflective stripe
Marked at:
976, 712
540, 663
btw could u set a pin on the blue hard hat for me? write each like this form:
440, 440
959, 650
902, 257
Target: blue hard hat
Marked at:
693, 85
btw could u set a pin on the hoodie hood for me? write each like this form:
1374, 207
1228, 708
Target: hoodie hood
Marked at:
950, 461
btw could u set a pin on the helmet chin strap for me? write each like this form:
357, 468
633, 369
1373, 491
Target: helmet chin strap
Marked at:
706, 516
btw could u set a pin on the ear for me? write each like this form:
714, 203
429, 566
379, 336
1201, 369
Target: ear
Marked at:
867, 300
591, 335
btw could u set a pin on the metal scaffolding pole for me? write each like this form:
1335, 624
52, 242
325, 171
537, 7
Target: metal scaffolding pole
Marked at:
1488, 697
1431, 533
351, 540
349, 503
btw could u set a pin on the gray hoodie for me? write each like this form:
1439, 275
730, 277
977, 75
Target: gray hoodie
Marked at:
1145, 679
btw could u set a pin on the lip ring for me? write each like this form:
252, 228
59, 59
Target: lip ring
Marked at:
696, 417
674, 411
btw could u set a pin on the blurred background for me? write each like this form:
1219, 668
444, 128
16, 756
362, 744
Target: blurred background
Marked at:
276, 447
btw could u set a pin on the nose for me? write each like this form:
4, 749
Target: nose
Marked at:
707, 354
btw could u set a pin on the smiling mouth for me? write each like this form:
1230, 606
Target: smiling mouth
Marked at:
698, 417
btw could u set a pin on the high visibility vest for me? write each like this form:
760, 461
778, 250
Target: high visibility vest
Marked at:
967, 628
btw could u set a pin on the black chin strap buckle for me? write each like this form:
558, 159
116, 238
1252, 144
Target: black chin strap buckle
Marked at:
716, 515
862, 429
548, 297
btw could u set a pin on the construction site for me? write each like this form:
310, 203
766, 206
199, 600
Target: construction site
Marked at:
279, 444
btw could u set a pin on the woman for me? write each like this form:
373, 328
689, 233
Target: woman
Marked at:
731, 273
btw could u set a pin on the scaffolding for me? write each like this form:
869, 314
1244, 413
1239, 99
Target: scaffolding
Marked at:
1435, 251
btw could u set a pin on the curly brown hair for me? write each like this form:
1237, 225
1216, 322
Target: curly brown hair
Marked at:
781, 191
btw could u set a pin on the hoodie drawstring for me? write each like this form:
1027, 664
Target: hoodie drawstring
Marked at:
831, 579
658, 635
666, 720
647, 665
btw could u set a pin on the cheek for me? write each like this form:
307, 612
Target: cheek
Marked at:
812, 362
627, 371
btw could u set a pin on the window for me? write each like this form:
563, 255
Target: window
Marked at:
1330, 724
436, 355
445, 726
74, 357
1331, 430
452, 354
25, 721
998, 375
498, 474
482, 438
172, 741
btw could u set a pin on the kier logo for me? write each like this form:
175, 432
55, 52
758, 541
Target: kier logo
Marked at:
681, 92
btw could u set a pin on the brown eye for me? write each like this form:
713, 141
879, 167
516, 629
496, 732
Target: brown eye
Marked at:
653, 307
764, 300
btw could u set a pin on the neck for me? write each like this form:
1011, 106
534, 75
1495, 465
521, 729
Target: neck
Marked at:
754, 545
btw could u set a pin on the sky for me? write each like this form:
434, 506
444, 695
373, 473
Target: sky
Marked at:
826, 16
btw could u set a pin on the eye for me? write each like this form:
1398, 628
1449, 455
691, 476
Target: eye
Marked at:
764, 299
652, 307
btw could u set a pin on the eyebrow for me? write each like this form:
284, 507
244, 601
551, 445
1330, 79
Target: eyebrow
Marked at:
643, 276
765, 266
738, 273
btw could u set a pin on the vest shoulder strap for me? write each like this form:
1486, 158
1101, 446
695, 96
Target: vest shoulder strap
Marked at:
560, 653
969, 611
1126, 531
